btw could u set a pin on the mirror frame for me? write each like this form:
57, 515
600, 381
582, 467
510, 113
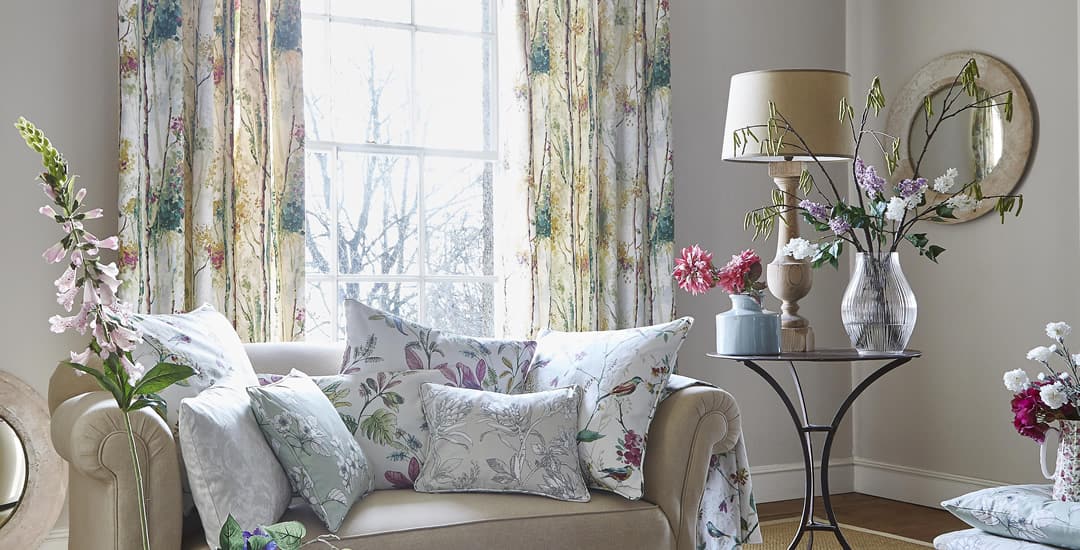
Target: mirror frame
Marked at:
47, 478
995, 76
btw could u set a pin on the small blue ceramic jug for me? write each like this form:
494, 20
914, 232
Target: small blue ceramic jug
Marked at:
746, 329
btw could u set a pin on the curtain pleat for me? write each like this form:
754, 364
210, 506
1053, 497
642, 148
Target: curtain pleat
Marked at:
212, 162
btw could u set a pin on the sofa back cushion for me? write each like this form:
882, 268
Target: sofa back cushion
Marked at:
377, 340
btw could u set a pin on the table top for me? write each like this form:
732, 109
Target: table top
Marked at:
823, 355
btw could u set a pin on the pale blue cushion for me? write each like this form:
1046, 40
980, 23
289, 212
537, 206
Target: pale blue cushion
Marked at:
974, 539
1024, 512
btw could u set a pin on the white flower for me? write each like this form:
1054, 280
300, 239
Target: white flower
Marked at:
896, 209
1053, 395
81, 358
1058, 330
945, 182
1064, 376
1042, 376
1040, 354
1076, 358
962, 203
135, 371
1016, 380
800, 249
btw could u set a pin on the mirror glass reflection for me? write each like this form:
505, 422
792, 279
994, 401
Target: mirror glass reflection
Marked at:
12, 471
971, 142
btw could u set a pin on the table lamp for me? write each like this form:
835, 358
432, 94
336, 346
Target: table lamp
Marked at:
810, 101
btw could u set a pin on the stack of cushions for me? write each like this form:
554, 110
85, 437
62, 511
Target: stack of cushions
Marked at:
412, 408
1023, 512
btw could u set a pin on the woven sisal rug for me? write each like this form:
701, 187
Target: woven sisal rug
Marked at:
777, 535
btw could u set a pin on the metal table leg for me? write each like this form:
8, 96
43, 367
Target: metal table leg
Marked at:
805, 429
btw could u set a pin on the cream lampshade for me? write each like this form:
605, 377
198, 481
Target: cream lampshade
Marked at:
810, 101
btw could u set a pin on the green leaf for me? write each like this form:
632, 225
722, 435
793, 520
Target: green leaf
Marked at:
104, 381
379, 427
392, 400
919, 240
232, 535
257, 542
585, 436
944, 211
933, 252
162, 376
151, 400
289, 535
350, 423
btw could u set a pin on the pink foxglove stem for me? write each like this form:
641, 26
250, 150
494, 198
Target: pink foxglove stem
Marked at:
143, 523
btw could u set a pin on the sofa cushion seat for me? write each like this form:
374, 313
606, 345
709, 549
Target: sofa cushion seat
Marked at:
408, 519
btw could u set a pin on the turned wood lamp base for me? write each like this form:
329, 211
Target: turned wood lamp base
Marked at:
790, 279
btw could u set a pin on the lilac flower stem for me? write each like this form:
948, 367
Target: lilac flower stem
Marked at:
143, 523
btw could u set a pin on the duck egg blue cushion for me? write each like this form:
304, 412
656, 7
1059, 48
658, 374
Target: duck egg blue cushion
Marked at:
324, 463
1024, 512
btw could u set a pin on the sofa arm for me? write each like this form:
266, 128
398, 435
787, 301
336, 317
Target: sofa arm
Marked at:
689, 427
88, 431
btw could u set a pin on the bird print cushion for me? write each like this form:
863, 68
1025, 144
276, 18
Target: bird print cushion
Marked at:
380, 341
622, 373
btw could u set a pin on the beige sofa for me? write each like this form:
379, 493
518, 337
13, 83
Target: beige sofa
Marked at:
87, 431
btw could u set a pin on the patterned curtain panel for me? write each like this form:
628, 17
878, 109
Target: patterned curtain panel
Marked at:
593, 92
211, 160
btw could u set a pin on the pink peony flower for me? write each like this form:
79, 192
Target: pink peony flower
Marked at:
694, 270
741, 273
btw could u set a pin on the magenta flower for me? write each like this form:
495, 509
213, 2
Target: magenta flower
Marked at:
694, 270
741, 273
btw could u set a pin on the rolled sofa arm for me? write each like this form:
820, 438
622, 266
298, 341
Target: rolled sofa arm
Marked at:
88, 431
689, 427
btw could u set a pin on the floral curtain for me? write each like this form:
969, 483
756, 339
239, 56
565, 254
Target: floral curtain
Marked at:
586, 131
211, 160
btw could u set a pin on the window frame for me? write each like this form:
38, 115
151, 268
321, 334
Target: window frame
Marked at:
333, 148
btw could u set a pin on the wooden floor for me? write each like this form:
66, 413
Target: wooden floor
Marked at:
889, 516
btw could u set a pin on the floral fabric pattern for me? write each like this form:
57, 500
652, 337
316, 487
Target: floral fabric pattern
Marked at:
586, 138
203, 340
974, 539
211, 161
484, 441
1067, 470
1025, 512
377, 340
622, 373
325, 465
382, 411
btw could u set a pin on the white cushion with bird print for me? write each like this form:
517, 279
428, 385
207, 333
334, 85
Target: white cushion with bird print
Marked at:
380, 341
622, 373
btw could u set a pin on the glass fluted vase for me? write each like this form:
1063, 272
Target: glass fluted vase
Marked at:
879, 308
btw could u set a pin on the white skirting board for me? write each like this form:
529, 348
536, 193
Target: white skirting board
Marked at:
57, 540
871, 477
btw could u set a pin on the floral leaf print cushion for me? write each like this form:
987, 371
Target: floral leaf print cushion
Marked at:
622, 373
325, 465
489, 442
1025, 512
382, 410
203, 340
377, 340
974, 539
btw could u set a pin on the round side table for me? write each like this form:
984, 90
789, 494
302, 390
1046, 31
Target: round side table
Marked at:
805, 429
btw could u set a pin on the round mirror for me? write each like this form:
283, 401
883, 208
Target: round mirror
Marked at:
12, 471
33, 479
981, 144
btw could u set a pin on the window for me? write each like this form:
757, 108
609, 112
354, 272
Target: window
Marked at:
400, 103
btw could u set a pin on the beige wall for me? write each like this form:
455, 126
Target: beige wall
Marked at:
58, 58
710, 41
986, 304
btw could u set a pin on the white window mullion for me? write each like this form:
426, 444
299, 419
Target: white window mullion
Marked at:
335, 207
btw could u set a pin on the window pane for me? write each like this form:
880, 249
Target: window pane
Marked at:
461, 308
466, 15
371, 83
319, 323
377, 218
453, 91
313, 6
401, 299
458, 210
317, 97
318, 236
384, 10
